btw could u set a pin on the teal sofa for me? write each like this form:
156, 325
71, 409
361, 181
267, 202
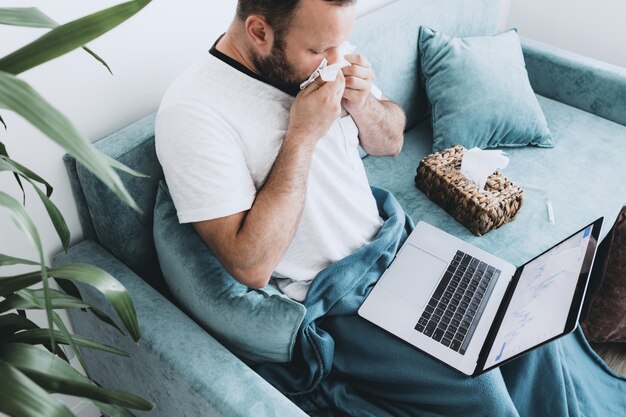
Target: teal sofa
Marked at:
185, 370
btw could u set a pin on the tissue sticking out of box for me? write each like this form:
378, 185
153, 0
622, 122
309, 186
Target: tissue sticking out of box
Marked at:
478, 164
330, 72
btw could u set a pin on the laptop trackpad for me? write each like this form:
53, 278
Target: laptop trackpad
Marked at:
414, 275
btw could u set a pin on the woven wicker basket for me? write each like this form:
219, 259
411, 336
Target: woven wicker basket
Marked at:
439, 177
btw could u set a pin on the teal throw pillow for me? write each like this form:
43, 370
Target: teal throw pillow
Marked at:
479, 92
257, 324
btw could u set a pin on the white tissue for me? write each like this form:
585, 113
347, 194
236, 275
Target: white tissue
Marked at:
330, 72
478, 164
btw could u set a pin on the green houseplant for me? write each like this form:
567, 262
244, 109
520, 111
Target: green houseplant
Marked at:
32, 364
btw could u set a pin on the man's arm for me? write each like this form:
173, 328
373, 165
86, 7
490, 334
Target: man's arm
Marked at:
251, 244
380, 122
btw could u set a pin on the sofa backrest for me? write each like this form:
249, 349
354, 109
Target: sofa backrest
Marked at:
122, 231
387, 37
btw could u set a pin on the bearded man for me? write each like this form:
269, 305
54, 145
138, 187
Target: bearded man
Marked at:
271, 178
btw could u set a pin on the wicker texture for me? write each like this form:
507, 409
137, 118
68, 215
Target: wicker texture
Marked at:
440, 178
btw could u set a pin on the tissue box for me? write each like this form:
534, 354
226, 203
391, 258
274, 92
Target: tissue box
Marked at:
439, 177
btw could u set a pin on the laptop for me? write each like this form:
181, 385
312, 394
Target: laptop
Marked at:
474, 311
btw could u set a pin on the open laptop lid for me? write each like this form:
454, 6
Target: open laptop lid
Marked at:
544, 299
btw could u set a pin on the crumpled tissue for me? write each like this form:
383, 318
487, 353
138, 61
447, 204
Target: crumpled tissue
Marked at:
478, 164
330, 72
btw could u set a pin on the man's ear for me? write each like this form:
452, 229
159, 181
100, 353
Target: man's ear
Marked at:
260, 34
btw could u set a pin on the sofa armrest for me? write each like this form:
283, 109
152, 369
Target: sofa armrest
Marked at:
177, 364
585, 83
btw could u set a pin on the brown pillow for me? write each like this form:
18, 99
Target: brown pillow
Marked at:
606, 318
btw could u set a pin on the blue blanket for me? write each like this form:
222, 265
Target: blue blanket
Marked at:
344, 365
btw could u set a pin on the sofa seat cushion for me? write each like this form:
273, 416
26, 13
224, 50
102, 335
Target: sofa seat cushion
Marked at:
256, 324
583, 176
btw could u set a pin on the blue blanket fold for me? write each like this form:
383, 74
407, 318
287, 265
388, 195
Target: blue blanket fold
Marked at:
347, 366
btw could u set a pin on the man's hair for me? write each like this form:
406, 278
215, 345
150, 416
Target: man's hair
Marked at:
278, 13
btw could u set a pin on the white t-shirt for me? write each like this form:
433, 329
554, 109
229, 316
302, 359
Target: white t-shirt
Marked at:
218, 132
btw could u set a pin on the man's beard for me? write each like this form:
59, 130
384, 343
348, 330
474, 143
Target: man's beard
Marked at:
276, 70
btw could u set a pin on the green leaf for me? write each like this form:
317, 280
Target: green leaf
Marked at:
33, 17
117, 164
23, 220
35, 300
56, 217
10, 285
4, 124
6, 260
57, 376
21, 397
11, 323
70, 340
53, 212
18, 96
69, 36
3, 152
70, 288
8, 164
97, 58
25, 16
41, 337
111, 288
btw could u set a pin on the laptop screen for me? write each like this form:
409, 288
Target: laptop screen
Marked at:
540, 307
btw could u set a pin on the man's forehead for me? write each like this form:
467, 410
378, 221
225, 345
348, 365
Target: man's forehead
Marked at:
322, 23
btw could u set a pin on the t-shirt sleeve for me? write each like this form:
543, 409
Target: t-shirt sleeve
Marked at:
203, 163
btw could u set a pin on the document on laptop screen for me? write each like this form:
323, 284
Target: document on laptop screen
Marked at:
541, 302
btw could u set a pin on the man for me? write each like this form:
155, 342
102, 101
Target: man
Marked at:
271, 179
273, 183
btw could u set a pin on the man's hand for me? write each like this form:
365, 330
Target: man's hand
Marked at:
359, 80
380, 122
315, 109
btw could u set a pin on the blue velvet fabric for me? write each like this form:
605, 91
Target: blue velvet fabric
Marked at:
585, 83
388, 39
79, 197
257, 324
479, 92
124, 232
177, 364
181, 367
352, 275
347, 366
582, 176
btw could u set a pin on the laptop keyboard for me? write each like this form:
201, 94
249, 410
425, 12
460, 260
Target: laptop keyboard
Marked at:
455, 307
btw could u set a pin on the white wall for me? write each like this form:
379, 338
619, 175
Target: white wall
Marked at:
145, 54
591, 28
